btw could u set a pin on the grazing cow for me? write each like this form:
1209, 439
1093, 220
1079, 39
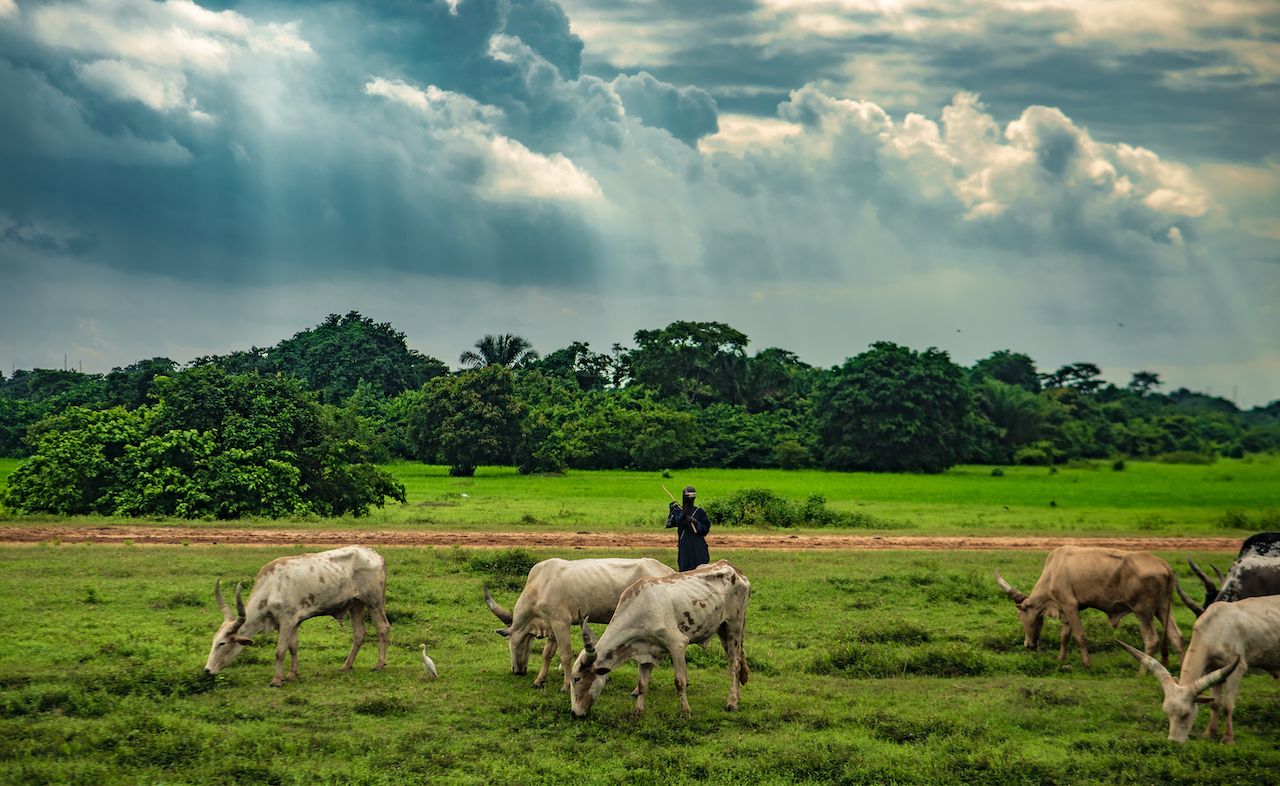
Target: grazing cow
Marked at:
666, 615
1113, 581
1228, 640
1255, 572
558, 595
341, 582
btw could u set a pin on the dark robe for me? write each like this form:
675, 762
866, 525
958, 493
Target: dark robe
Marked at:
693, 528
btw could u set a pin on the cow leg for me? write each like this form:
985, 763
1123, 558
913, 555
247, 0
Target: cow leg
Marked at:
1071, 618
1229, 688
1150, 641
564, 644
1212, 729
293, 656
357, 636
733, 651
1171, 632
548, 650
1063, 639
380, 622
642, 686
682, 677
282, 647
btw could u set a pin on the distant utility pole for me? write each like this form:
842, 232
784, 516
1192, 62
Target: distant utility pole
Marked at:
64, 361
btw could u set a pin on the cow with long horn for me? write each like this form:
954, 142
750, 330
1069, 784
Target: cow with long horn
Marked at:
660, 616
340, 583
1254, 573
1113, 581
1228, 641
559, 594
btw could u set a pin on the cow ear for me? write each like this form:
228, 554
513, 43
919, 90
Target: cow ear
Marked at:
1203, 699
600, 672
504, 632
245, 642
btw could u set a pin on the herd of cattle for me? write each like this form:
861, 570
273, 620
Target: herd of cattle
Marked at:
653, 612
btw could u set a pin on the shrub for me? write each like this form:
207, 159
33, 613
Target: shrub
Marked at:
1235, 518
507, 568
764, 508
1033, 455
997, 473
1185, 457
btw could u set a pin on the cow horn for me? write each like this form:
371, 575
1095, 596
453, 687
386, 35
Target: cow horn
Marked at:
1008, 588
588, 641
222, 604
1217, 573
1208, 584
1154, 666
497, 610
239, 605
1191, 604
1214, 677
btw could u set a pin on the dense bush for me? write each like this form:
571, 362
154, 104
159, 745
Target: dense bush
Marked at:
214, 446
764, 508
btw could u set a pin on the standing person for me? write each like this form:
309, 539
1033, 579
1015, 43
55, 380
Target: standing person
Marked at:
693, 525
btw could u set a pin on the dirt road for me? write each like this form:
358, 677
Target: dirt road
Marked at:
583, 540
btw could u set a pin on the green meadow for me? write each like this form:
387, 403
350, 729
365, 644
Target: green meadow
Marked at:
1229, 497
866, 667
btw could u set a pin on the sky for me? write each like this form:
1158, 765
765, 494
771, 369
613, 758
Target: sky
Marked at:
1089, 181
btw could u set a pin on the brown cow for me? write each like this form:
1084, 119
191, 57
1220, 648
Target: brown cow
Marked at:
1113, 581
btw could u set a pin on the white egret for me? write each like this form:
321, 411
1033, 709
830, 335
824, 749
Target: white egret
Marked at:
428, 664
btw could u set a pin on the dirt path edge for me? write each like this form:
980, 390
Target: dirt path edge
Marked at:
586, 540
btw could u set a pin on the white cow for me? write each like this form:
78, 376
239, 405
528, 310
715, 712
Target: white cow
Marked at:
341, 582
558, 595
665, 615
1228, 640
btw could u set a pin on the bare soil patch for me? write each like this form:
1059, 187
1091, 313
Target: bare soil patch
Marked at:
587, 540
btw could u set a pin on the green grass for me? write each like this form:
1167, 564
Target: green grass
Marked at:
1229, 498
886, 667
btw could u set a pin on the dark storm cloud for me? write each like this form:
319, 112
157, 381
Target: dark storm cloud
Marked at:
689, 113
1125, 96
321, 178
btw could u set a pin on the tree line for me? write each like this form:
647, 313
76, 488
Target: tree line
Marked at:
334, 400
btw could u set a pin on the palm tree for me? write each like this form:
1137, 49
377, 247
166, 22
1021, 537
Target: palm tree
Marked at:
505, 350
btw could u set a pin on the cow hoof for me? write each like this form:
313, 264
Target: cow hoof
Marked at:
731, 708
538, 686
380, 667
276, 684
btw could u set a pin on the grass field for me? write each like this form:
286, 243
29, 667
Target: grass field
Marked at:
1230, 497
886, 667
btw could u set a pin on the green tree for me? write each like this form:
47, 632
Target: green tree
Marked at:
694, 362
1011, 368
336, 355
130, 386
213, 446
506, 350
469, 419
590, 370
1084, 377
75, 462
1144, 382
894, 409
1018, 415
